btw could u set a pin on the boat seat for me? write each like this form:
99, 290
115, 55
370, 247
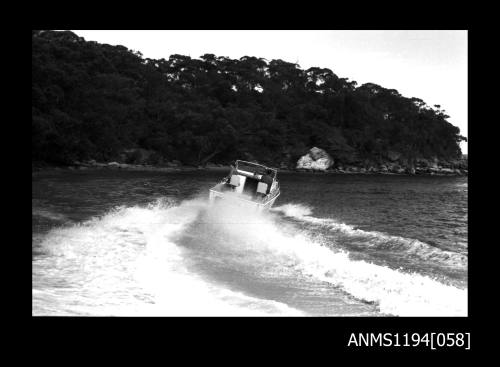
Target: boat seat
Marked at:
234, 181
262, 188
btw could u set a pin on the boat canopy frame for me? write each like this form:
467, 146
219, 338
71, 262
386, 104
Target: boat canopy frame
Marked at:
261, 169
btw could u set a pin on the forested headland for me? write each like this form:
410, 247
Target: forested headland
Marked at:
94, 101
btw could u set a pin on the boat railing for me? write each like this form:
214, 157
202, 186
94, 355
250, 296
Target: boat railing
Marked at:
256, 165
273, 193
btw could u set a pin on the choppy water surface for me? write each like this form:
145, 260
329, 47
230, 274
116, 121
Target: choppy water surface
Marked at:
146, 243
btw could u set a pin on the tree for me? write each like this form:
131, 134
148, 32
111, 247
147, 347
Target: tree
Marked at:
92, 101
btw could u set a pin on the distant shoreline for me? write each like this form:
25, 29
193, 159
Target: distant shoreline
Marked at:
182, 168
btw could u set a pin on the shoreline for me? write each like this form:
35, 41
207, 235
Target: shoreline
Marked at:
219, 168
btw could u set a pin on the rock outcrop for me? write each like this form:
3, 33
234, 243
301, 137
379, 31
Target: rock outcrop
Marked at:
316, 159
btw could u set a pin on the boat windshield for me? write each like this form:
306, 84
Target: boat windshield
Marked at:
254, 168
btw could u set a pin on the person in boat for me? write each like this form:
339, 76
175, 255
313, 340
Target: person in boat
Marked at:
232, 172
267, 178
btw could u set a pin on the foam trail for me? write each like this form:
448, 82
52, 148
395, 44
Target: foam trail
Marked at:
377, 239
125, 263
130, 262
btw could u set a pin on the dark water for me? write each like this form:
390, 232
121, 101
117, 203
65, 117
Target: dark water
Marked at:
146, 243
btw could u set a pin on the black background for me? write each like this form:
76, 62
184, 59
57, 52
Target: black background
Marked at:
233, 340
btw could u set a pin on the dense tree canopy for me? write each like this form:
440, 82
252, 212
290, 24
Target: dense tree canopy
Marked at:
92, 101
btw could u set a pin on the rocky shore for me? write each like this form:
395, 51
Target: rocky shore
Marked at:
316, 160
388, 169
92, 165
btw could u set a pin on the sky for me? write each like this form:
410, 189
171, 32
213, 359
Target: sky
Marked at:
430, 65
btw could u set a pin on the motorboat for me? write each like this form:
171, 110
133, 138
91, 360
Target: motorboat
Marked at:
248, 183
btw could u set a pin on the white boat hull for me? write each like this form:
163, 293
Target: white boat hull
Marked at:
215, 196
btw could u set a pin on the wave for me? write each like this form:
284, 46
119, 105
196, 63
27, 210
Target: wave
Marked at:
136, 261
124, 263
395, 292
374, 239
